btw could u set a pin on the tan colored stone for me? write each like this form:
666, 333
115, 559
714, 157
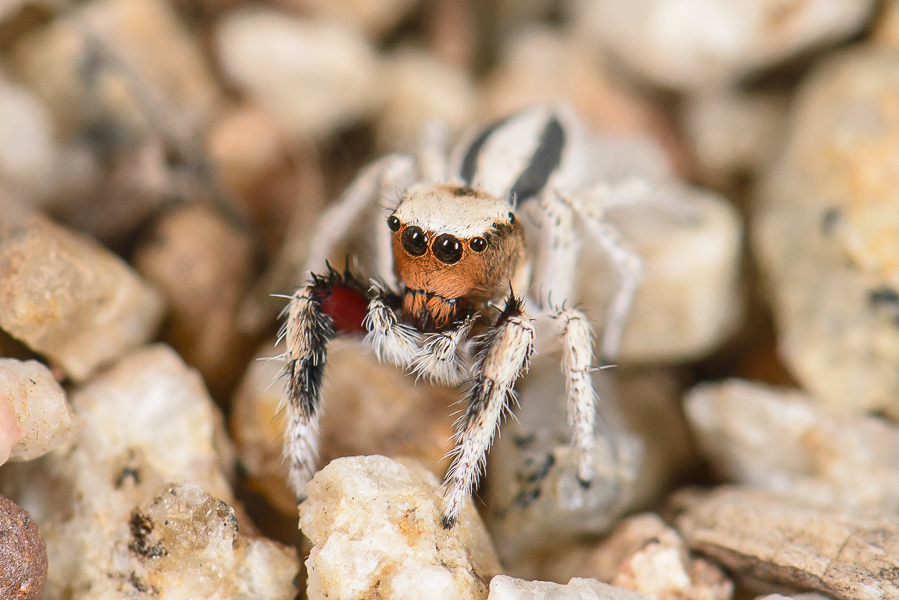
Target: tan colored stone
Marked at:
65, 296
764, 537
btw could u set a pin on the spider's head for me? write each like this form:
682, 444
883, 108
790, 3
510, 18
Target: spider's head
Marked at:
453, 247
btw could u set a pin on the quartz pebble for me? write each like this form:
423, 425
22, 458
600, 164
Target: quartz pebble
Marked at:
763, 538
368, 408
202, 264
698, 44
185, 542
503, 587
145, 423
376, 531
38, 404
23, 556
128, 66
314, 77
68, 298
535, 500
826, 232
782, 440
645, 555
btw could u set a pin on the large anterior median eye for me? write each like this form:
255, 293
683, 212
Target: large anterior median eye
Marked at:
415, 241
447, 249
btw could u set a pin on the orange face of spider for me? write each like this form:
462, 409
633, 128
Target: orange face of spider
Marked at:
453, 248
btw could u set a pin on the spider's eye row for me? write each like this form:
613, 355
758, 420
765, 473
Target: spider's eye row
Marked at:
478, 244
393, 223
447, 249
415, 242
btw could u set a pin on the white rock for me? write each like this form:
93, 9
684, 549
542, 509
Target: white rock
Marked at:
39, 404
375, 526
146, 422
313, 76
826, 233
783, 441
66, 297
28, 151
689, 300
690, 44
503, 587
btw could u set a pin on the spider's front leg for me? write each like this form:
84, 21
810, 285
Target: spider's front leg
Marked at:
502, 359
330, 304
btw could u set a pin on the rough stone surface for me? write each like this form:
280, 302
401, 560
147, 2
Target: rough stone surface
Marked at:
826, 233
314, 77
534, 498
645, 555
763, 537
706, 43
503, 587
385, 517
23, 557
68, 298
39, 405
184, 542
368, 408
145, 423
203, 265
782, 440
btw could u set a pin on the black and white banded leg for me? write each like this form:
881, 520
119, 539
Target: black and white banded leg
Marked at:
306, 333
504, 356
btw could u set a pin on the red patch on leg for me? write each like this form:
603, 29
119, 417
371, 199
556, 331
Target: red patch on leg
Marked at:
345, 306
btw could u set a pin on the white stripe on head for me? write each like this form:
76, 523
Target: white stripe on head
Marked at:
443, 209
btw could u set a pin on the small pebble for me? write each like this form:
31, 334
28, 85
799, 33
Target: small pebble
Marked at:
503, 587
39, 405
703, 44
375, 527
67, 297
314, 77
23, 557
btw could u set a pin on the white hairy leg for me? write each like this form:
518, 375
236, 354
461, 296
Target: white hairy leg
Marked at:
305, 333
391, 340
441, 358
577, 363
504, 357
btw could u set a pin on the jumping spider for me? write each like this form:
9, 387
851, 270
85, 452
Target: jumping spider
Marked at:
485, 245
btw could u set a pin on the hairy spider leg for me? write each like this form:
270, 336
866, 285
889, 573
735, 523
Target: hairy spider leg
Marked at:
329, 304
506, 350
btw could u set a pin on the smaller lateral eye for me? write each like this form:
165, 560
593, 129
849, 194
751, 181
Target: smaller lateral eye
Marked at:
393, 223
511, 218
478, 244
